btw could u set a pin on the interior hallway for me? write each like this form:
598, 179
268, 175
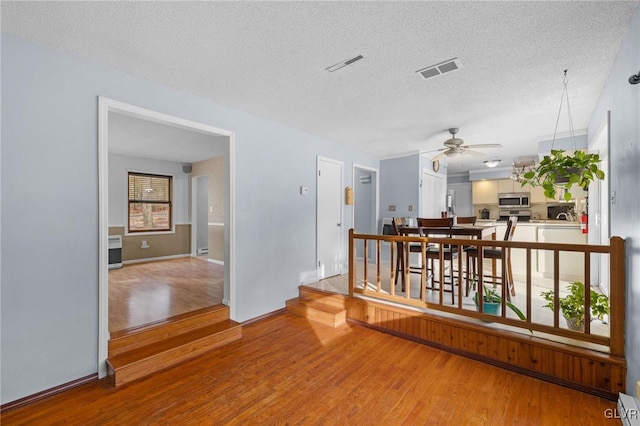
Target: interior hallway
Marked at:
143, 293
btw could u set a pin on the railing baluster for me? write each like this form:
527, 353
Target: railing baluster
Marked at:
556, 288
392, 267
407, 266
378, 275
587, 292
441, 266
460, 275
366, 271
423, 271
352, 263
528, 284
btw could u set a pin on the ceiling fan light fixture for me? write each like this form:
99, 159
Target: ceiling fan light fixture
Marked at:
492, 163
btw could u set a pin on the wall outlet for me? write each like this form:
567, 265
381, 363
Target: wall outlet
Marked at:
144, 244
410, 208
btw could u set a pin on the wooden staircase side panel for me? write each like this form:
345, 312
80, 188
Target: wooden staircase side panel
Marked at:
587, 370
142, 362
318, 312
171, 327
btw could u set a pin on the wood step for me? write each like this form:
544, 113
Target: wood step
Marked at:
137, 337
333, 299
146, 360
317, 311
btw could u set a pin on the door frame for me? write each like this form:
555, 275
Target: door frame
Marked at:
601, 142
106, 105
320, 158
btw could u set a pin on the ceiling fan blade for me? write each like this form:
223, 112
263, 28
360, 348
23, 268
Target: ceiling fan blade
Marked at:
434, 150
439, 156
474, 153
483, 145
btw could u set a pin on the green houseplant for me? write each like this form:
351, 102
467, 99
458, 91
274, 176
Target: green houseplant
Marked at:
492, 302
559, 171
572, 305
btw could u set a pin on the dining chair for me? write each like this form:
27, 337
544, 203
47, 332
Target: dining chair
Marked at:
397, 224
449, 253
466, 220
498, 254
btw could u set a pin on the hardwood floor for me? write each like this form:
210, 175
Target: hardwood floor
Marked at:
289, 371
143, 293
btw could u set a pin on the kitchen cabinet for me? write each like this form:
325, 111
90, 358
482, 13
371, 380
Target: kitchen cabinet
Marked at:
537, 195
485, 192
571, 264
510, 185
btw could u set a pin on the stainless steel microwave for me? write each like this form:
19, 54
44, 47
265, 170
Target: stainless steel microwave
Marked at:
513, 199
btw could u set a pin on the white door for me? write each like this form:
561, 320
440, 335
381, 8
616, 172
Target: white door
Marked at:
329, 217
434, 195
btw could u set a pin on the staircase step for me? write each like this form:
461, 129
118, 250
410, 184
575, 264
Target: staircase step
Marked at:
333, 299
317, 311
127, 340
146, 360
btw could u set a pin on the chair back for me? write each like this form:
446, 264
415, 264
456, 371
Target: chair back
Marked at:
511, 228
466, 220
439, 222
396, 223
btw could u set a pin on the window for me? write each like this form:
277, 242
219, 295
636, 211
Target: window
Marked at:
149, 203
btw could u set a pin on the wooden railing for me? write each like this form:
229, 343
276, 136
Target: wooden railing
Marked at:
373, 281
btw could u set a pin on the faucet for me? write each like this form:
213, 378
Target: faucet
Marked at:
567, 216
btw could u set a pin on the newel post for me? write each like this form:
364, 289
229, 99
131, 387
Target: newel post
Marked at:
352, 263
617, 282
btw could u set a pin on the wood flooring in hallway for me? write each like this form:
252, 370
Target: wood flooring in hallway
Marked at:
143, 293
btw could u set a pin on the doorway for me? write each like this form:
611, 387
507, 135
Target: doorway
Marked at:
107, 109
329, 217
365, 207
598, 208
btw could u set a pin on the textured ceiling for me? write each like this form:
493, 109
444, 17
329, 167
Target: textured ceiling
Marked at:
269, 58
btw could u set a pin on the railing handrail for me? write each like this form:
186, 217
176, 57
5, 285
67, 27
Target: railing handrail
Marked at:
616, 283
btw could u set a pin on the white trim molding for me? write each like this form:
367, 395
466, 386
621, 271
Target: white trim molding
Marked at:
105, 106
156, 259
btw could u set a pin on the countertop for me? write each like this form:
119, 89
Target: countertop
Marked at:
536, 222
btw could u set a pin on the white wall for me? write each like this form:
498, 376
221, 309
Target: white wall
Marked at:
623, 100
120, 165
49, 313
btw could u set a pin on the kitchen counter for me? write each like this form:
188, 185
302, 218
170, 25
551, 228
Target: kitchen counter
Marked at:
535, 222
545, 231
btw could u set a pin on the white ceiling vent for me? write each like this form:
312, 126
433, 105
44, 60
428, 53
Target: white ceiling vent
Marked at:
441, 68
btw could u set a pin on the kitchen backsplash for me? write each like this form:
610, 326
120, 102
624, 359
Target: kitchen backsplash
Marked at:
538, 211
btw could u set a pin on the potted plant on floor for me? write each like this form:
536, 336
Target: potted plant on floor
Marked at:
560, 172
491, 302
572, 305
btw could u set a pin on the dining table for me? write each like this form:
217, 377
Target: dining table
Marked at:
474, 231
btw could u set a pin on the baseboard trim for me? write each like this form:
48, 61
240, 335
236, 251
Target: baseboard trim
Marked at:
48, 393
155, 259
265, 316
217, 262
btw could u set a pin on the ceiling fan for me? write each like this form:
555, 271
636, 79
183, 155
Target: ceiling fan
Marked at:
456, 145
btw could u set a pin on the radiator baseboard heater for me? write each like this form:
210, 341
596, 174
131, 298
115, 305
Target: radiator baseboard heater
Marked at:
115, 251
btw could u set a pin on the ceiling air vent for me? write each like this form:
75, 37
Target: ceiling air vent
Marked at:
441, 68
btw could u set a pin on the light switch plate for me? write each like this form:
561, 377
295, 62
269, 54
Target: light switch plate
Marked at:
392, 208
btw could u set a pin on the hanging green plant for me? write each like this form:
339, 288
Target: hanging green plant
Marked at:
557, 171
